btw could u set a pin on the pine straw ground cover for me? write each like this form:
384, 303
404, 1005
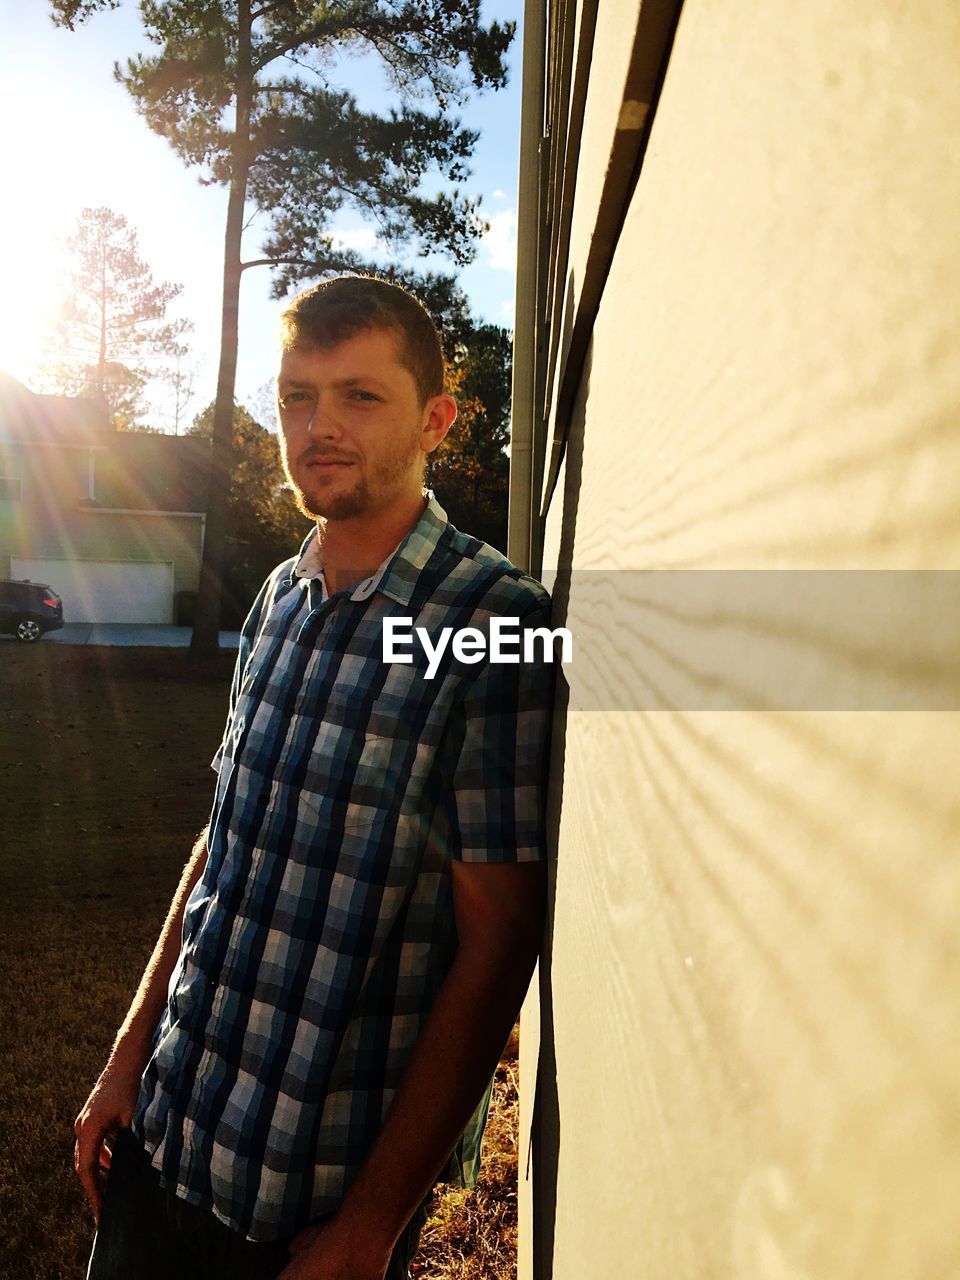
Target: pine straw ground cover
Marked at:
105, 782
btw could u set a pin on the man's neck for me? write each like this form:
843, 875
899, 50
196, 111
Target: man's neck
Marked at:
351, 550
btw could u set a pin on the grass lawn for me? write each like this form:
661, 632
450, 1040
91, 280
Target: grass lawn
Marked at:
104, 755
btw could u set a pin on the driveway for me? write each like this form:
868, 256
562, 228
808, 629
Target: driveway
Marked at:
124, 633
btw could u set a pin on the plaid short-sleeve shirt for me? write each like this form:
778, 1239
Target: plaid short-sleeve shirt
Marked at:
322, 928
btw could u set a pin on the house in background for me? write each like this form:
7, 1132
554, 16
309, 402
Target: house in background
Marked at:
736, 462
113, 521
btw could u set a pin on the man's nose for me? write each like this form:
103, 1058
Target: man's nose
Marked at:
323, 421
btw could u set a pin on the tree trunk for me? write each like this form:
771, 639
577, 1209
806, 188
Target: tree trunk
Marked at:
206, 627
102, 348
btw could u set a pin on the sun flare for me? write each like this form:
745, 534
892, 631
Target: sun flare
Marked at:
56, 174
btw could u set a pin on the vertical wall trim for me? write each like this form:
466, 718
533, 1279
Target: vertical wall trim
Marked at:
653, 40
522, 508
523, 542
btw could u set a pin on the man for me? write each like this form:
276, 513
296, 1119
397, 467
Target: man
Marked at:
312, 1043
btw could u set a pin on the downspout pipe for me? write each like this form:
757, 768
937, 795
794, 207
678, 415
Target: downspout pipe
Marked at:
523, 505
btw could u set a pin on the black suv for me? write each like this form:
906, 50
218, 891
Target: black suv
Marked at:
28, 609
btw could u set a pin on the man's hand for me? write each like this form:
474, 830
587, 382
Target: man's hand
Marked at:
109, 1107
114, 1096
332, 1251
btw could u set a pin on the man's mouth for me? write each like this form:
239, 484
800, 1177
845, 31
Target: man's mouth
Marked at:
326, 464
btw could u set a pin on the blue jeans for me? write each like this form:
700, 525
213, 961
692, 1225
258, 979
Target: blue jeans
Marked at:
148, 1233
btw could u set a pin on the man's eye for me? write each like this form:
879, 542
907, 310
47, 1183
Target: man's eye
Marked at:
294, 400
363, 395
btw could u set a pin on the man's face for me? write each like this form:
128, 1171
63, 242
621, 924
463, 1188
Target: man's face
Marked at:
354, 432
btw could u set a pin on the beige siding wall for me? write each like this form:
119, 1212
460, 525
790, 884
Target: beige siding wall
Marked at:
754, 966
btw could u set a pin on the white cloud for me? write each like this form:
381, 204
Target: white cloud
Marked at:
500, 241
498, 194
508, 313
361, 239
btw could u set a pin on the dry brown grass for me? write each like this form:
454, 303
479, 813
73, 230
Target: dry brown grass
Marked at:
472, 1235
104, 758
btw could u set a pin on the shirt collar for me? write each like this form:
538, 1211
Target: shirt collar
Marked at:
397, 576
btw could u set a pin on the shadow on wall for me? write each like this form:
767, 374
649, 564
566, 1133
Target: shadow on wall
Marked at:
546, 1107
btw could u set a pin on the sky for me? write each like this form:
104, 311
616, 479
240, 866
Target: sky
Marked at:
70, 138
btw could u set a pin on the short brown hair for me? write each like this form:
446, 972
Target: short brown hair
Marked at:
334, 310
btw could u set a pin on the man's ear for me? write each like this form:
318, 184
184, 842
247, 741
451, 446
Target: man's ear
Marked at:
441, 413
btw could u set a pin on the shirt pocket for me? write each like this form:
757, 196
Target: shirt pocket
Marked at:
353, 790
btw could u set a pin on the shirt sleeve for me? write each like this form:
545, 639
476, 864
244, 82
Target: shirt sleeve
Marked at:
247, 638
500, 774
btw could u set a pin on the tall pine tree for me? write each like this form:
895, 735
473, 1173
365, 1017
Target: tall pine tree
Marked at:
112, 334
245, 91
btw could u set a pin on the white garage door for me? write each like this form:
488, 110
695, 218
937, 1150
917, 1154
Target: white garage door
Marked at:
105, 590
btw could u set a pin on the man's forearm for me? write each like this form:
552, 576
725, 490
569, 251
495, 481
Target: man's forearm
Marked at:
113, 1098
455, 1057
132, 1045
